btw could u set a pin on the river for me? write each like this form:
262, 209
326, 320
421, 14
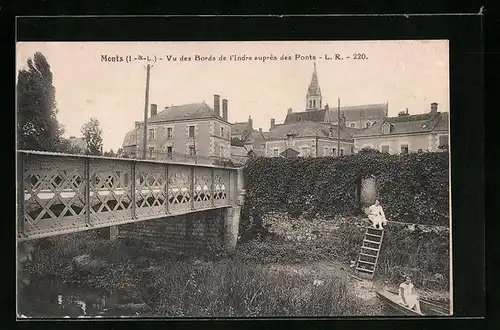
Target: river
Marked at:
49, 297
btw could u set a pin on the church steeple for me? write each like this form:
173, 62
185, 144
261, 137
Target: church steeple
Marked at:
313, 97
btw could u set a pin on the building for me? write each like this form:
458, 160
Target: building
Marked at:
189, 132
308, 139
78, 144
239, 155
407, 133
359, 116
315, 131
241, 130
249, 137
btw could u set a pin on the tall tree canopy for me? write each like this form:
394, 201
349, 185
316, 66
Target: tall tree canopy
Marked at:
92, 133
37, 125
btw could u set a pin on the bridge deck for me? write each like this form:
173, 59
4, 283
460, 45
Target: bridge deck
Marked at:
60, 193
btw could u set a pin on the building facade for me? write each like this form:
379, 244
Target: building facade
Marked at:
183, 133
407, 133
308, 139
359, 116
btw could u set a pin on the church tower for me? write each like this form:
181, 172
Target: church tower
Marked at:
313, 97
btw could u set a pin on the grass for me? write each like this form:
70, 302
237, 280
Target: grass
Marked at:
238, 286
227, 287
234, 289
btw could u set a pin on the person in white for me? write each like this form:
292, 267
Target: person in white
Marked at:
376, 215
408, 297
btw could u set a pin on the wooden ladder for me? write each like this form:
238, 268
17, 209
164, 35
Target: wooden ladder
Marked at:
370, 251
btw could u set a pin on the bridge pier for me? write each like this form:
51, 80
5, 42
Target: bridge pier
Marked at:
232, 214
113, 233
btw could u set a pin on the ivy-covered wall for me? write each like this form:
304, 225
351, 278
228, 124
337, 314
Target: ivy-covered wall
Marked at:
411, 188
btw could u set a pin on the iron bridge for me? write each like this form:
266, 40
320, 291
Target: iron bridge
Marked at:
63, 193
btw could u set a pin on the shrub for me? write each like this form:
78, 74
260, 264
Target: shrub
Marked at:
412, 188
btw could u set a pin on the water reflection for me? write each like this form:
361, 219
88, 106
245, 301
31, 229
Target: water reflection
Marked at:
49, 297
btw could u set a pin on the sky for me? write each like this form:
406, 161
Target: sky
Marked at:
406, 74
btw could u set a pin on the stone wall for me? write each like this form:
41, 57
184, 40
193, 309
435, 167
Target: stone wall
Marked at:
186, 234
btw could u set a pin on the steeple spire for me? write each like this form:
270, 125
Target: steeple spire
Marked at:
313, 97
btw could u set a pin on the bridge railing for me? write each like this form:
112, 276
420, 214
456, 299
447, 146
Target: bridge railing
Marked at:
62, 193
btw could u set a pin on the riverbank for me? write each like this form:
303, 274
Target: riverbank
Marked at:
117, 275
274, 275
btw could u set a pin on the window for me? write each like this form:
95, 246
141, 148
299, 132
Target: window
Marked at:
151, 134
221, 151
151, 152
342, 152
325, 152
169, 132
334, 151
420, 151
222, 131
275, 152
314, 103
386, 129
404, 149
443, 140
192, 151
353, 125
385, 149
169, 152
191, 131
310, 104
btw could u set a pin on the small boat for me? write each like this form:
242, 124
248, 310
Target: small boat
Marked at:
430, 307
392, 300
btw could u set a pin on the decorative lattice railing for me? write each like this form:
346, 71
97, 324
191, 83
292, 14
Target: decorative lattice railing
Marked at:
60, 193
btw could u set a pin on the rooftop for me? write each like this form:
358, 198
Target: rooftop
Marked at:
409, 124
307, 129
183, 112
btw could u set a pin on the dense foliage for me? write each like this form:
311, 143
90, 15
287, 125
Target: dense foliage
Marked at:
411, 188
37, 125
92, 133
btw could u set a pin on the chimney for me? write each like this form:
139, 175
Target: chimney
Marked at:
434, 107
289, 111
224, 109
217, 104
250, 122
260, 130
154, 110
273, 122
327, 107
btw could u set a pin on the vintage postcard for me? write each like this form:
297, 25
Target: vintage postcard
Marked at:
233, 179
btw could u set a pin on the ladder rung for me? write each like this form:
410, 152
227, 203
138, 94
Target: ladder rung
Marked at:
369, 248
364, 270
373, 242
373, 235
371, 228
366, 262
368, 255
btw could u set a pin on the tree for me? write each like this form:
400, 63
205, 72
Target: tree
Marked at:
110, 153
236, 142
92, 134
37, 125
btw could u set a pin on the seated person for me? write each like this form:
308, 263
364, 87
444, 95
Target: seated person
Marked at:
408, 297
376, 215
